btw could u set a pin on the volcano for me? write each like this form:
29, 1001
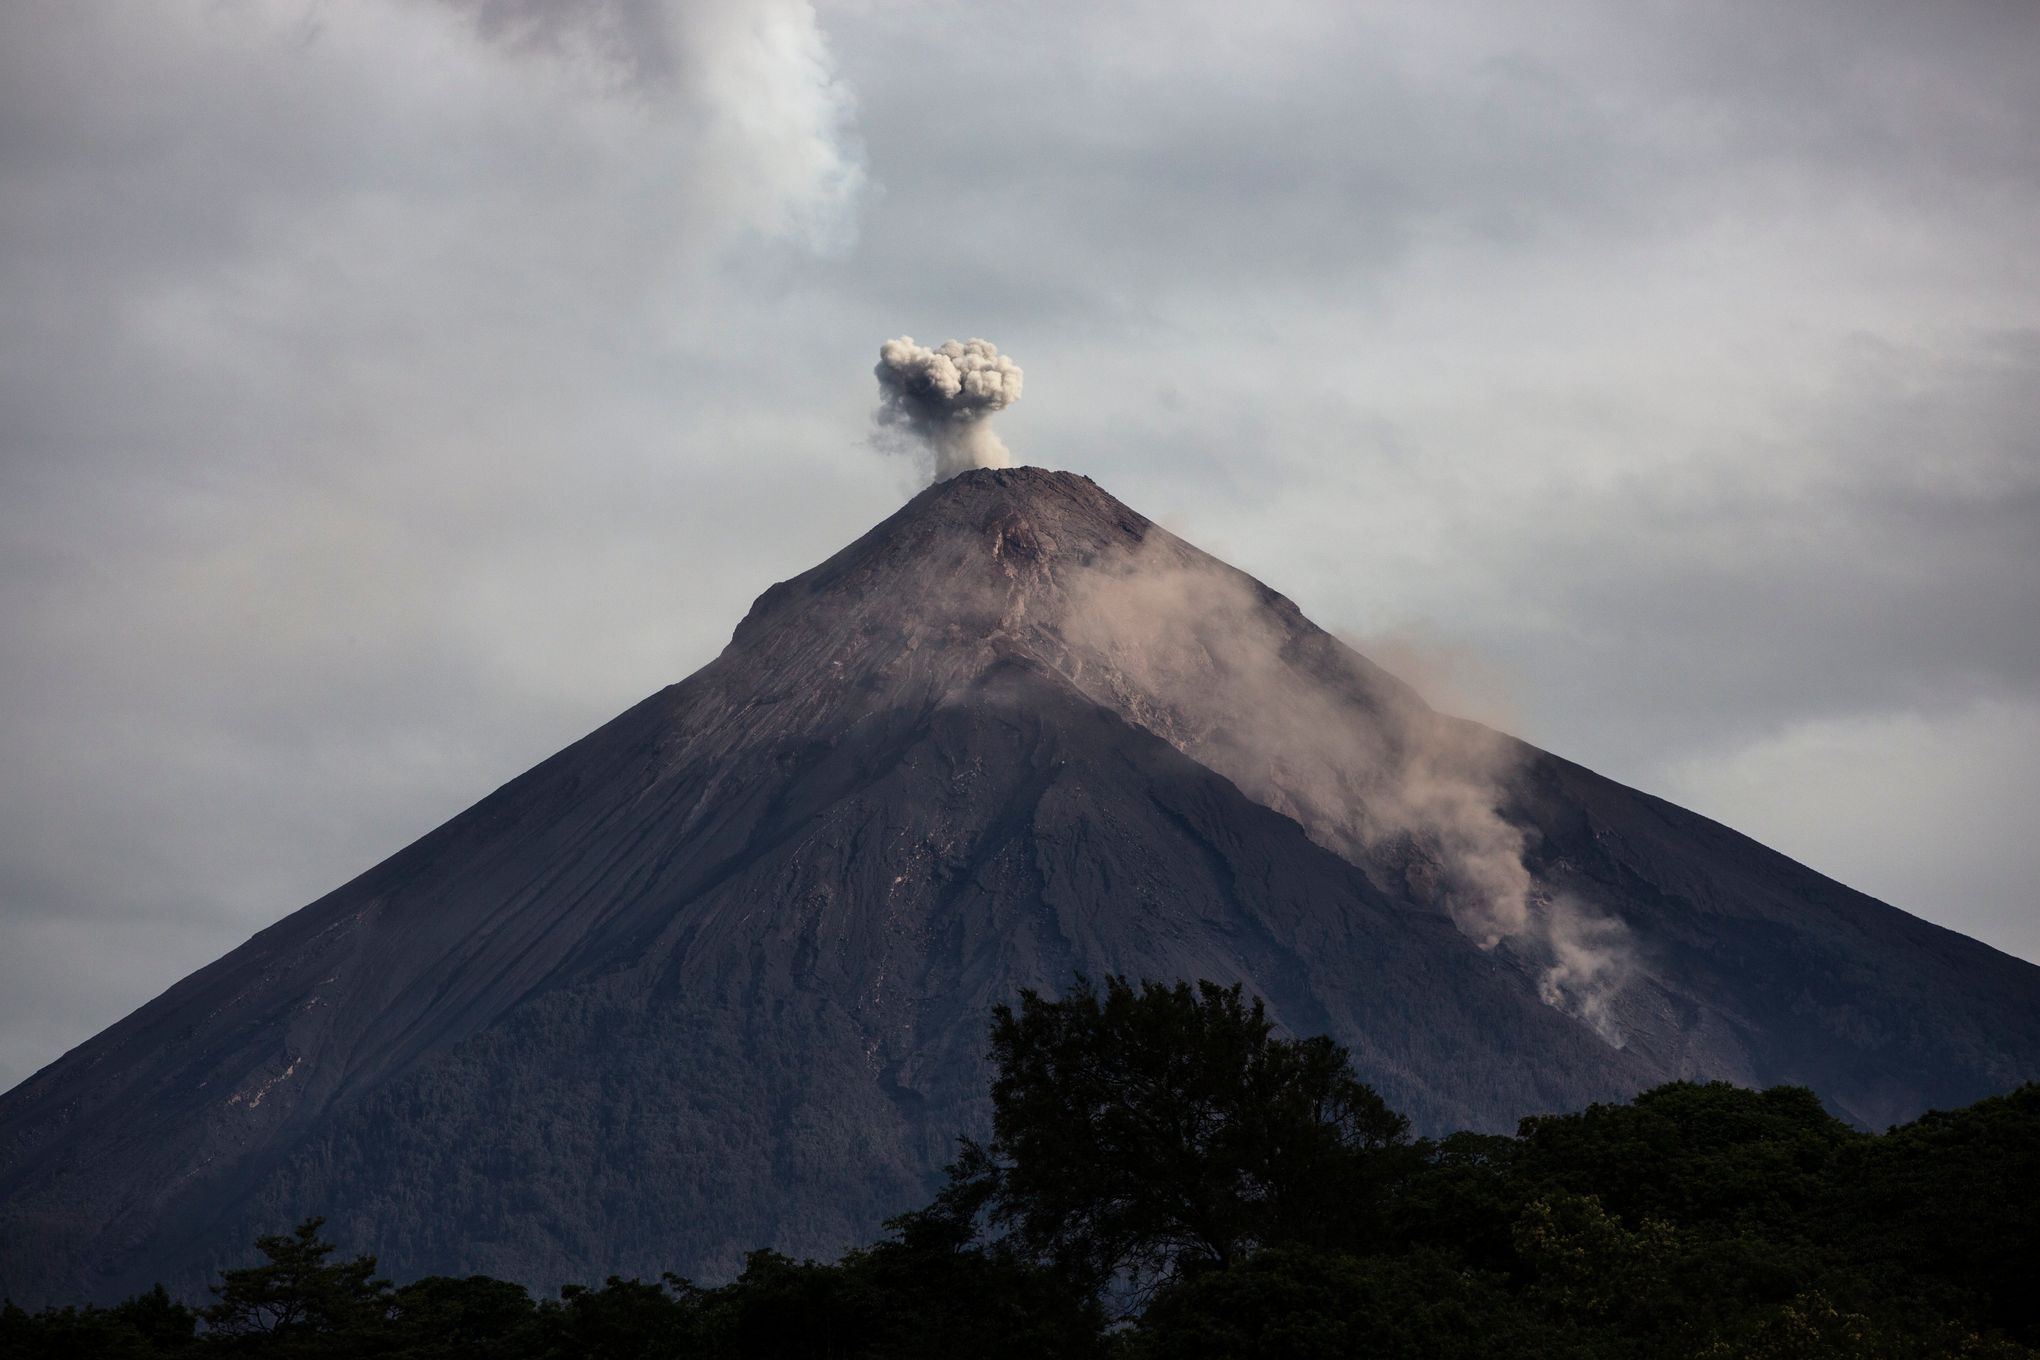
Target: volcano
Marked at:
717, 976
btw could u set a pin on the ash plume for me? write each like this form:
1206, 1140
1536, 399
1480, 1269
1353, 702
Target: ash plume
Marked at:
1372, 775
940, 399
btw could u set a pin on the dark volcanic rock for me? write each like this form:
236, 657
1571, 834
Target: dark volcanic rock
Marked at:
717, 975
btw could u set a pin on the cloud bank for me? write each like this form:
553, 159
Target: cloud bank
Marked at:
332, 334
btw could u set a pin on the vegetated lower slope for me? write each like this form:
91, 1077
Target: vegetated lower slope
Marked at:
713, 977
1167, 1177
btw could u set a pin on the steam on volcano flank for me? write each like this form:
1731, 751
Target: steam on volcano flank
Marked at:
941, 397
1215, 673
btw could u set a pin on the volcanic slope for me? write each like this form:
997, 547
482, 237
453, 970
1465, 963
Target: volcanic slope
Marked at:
717, 975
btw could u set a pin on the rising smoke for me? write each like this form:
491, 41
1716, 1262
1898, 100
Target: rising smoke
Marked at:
1302, 725
940, 399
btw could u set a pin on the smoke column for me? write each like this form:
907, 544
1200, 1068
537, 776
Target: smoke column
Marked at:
1370, 773
943, 397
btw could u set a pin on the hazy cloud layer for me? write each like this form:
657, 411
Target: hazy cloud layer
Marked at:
364, 438
393, 390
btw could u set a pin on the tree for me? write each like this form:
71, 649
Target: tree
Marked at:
159, 1320
459, 1319
1290, 1303
1142, 1132
1951, 1203
625, 1320
297, 1295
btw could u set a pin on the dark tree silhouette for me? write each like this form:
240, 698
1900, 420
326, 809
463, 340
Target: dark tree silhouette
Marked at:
298, 1295
1143, 1131
1244, 1198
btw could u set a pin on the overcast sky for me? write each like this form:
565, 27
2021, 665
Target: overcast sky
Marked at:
392, 390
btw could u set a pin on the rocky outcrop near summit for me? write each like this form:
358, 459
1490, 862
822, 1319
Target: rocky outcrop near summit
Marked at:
717, 975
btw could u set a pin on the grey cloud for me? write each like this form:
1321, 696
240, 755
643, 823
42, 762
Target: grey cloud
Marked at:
1165, 187
1892, 575
1310, 161
354, 462
634, 37
1931, 808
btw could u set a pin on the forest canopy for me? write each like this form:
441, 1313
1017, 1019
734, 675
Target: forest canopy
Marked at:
1169, 1176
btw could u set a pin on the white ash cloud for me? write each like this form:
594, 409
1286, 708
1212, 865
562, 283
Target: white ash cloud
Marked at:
941, 397
1310, 729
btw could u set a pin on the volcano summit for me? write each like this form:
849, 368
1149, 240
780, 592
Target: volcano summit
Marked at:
716, 976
